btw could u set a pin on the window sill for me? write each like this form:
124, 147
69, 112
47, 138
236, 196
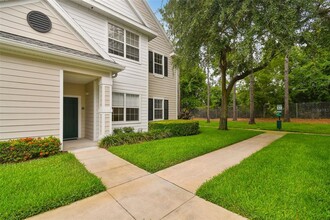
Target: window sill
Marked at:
124, 58
158, 75
125, 122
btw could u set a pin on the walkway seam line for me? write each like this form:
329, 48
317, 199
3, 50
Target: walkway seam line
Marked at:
178, 207
120, 204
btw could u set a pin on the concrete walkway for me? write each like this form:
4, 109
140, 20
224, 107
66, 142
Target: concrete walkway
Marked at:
133, 193
191, 174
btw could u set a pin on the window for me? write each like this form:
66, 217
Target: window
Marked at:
158, 109
158, 64
116, 40
118, 107
123, 43
132, 107
126, 107
132, 46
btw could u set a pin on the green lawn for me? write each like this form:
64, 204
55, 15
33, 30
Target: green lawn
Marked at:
286, 126
157, 155
289, 179
32, 187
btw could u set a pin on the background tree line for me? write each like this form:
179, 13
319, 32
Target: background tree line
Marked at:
283, 46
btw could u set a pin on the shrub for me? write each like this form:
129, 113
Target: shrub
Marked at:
128, 129
123, 130
176, 127
133, 138
24, 149
118, 131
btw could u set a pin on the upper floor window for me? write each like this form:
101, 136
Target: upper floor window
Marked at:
158, 64
123, 43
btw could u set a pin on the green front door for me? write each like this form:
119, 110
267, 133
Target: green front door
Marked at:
70, 118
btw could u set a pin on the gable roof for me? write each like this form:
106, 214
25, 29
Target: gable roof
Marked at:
106, 9
78, 29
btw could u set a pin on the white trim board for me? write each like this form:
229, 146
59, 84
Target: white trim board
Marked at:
61, 106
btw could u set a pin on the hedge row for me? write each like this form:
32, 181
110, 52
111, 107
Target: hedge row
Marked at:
24, 149
176, 127
132, 138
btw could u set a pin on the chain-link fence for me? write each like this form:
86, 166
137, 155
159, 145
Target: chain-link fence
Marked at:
310, 110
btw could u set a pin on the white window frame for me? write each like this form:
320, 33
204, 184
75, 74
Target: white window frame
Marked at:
154, 109
125, 29
125, 121
113, 106
163, 65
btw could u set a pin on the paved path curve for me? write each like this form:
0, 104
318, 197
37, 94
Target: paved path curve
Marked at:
133, 193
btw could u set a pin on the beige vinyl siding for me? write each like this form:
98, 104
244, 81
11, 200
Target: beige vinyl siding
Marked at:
160, 87
29, 102
89, 111
122, 7
94, 24
71, 89
134, 80
13, 20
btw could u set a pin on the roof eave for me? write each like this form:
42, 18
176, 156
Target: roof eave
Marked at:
21, 48
101, 9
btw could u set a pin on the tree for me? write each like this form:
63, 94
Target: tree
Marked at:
229, 28
192, 88
234, 103
286, 88
252, 114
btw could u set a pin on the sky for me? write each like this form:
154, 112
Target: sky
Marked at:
155, 5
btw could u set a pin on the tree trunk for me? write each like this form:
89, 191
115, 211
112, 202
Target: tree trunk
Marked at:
224, 101
286, 88
208, 95
234, 103
252, 119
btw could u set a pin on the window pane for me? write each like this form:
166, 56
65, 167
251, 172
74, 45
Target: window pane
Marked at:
158, 114
116, 47
132, 39
132, 53
158, 103
158, 58
132, 114
118, 114
132, 101
116, 32
117, 99
158, 64
158, 69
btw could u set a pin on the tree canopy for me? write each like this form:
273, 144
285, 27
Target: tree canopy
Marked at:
243, 37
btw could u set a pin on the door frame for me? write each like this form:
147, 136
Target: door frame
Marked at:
79, 111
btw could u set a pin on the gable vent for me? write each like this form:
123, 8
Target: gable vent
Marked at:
38, 21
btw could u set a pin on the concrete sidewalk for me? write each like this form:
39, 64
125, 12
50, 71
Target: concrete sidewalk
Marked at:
133, 193
191, 174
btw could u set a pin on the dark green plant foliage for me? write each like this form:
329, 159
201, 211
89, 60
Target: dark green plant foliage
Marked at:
123, 130
117, 131
176, 127
128, 129
24, 149
133, 138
